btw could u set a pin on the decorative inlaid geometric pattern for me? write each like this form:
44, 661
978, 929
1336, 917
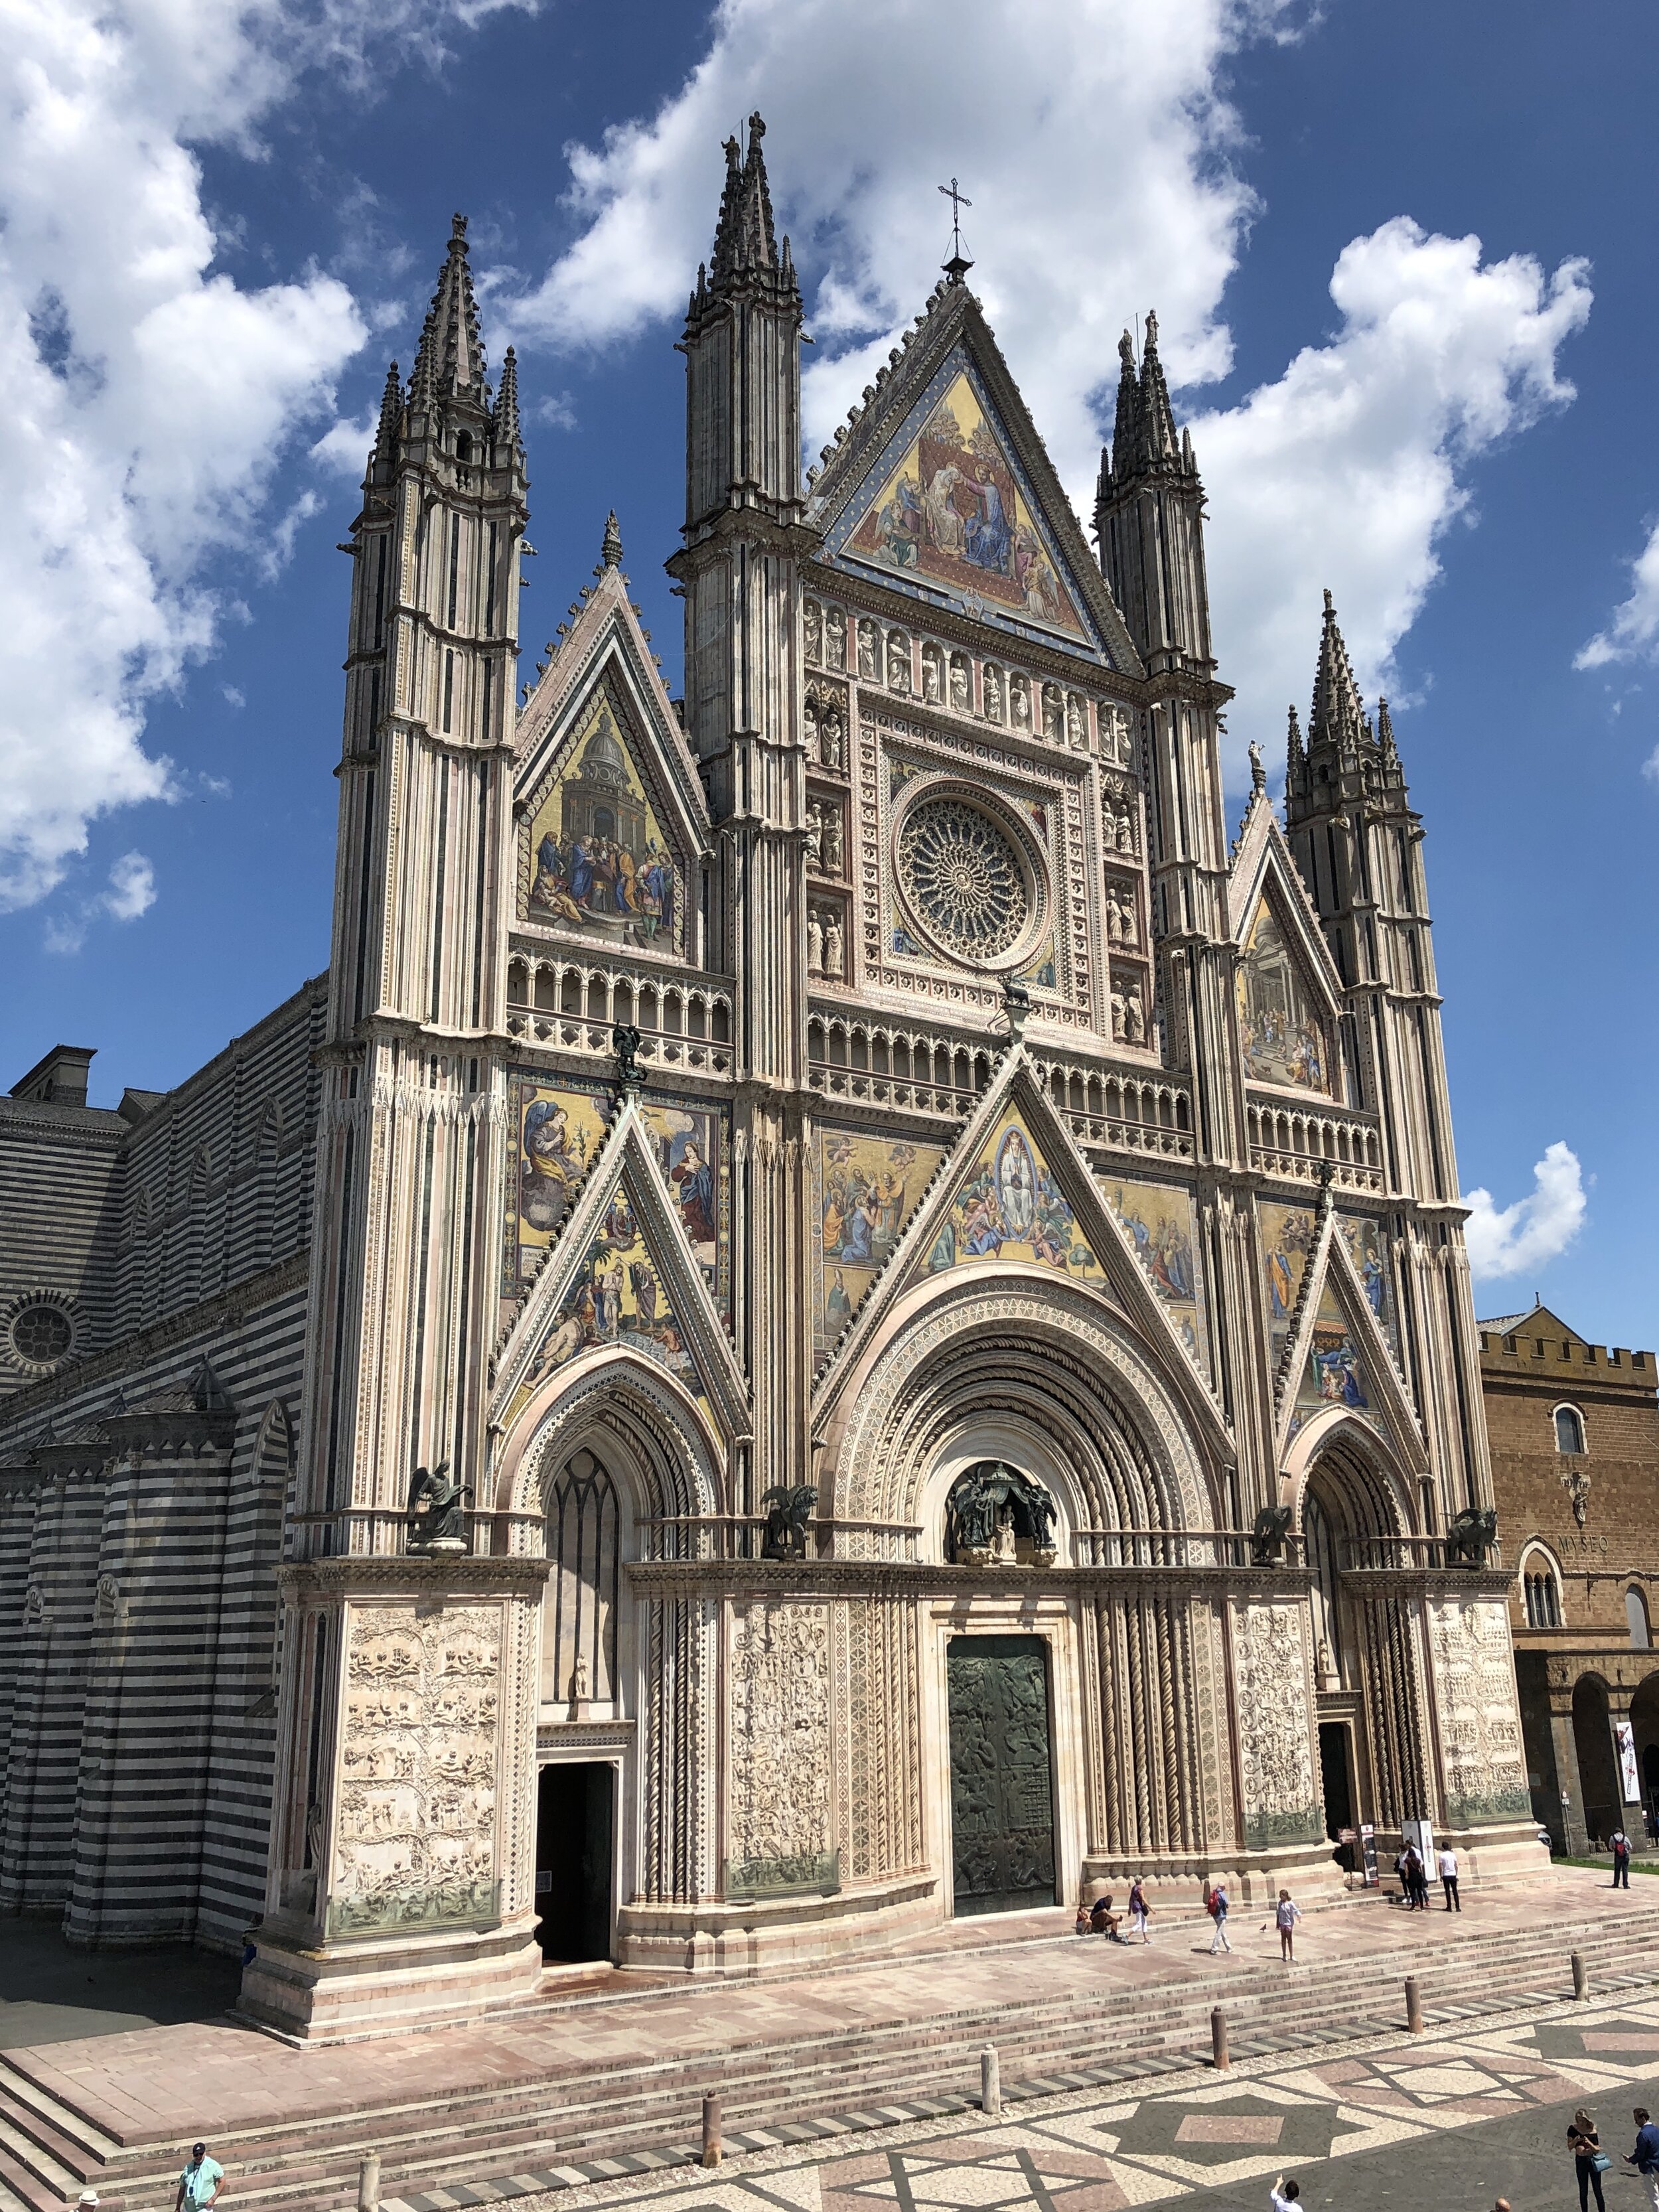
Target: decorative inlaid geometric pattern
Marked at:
962, 878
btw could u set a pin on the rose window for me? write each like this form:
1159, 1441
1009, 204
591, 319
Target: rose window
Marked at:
962, 878
41, 1334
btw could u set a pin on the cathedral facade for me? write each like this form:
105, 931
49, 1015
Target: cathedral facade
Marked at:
837, 1313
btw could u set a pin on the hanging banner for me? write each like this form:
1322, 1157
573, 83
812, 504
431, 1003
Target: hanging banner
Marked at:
1627, 1762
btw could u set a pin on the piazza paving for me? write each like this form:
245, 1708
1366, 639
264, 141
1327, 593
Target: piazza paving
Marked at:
1437, 2118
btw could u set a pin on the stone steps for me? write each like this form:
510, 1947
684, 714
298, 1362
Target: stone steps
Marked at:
568, 2118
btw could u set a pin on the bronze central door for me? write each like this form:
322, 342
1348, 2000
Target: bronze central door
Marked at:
1002, 1804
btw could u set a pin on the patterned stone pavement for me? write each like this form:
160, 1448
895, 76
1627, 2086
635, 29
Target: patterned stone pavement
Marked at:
1447, 2118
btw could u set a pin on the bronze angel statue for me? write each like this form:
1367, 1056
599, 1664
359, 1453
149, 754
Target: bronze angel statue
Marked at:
436, 1514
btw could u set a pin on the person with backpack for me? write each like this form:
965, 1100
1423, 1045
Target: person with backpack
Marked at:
1216, 1905
1621, 1844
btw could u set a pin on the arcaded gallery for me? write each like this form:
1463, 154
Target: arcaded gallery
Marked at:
846, 1306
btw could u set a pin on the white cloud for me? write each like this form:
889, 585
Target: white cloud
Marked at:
1521, 1238
131, 888
1109, 185
1633, 633
343, 446
1348, 470
149, 399
1091, 134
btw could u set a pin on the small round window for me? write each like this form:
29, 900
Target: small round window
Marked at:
41, 1334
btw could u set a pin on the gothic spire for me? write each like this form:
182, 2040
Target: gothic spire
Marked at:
392, 409
507, 403
1338, 715
451, 361
743, 238
1144, 432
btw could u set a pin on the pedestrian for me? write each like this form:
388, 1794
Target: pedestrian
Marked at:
1216, 1905
1620, 1843
1410, 1870
1139, 1912
1645, 2156
1287, 1913
1284, 2194
201, 2184
1103, 1921
1419, 1878
1446, 1863
1589, 2160
1080, 1926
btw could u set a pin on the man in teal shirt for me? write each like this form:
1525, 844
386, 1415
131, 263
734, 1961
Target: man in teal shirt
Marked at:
201, 2184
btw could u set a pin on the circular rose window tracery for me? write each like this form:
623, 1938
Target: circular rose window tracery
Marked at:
963, 879
41, 1333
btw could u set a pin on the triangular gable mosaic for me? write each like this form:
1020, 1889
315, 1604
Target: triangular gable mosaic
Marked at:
1010, 1207
620, 1295
1160, 1221
947, 512
1282, 1031
601, 861
867, 1187
560, 1129
1334, 1373
1288, 1234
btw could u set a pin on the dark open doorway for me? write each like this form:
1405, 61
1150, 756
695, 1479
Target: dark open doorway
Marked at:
576, 1826
1336, 1771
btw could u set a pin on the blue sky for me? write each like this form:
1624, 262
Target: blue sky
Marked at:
221, 234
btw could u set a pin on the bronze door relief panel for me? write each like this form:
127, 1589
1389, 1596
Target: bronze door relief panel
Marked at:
1002, 1806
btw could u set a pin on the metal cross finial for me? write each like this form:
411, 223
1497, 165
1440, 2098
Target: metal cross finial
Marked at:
958, 200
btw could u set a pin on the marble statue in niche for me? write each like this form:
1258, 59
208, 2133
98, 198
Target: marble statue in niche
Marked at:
824, 837
932, 687
826, 943
868, 643
991, 683
1077, 720
898, 661
1053, 713
959, 689
1020, 702
812, 632
835, 637
1128, 1012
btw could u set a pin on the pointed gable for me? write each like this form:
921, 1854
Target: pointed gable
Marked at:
625, 1275
944, 491
611, 812
1285, 1034
1336, 1360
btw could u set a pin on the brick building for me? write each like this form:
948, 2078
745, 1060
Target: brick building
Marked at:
1575, 1466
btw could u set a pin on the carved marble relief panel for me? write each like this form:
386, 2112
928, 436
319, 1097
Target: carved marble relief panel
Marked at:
1485, 1768
780, 1758
1272, 1702
420, 1758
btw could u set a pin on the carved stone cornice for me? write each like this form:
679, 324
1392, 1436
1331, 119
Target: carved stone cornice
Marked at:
1485, 1583
437, 1575
760, 1579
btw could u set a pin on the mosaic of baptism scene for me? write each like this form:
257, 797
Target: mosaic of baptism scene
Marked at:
560, 1132
1288, 1238
1281, 1032
1334, 1374
1160, 1224
620, 1295
600, 859
952, 510
866, 1189
1010, 1209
